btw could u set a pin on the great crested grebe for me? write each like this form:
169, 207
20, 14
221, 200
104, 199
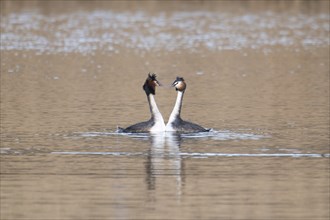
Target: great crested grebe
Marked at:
175, 123
156, 122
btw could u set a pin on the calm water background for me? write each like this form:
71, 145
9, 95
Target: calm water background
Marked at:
257, 73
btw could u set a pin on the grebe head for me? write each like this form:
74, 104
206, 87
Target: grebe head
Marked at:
150, 84
179, 84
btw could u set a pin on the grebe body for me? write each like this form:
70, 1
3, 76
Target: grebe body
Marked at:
175, 122
156, 122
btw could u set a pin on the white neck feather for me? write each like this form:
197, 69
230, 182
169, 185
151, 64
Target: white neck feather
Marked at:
157, 116
177, 108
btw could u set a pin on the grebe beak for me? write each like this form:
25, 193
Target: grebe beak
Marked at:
158, 83
174, 83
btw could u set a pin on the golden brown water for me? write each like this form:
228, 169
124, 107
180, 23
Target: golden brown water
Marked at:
257, 73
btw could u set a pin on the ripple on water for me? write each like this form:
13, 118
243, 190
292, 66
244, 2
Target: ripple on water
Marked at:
172, 136
213, 134
195, 154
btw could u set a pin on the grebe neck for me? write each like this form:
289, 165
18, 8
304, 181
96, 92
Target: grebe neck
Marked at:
156, 116
177, 107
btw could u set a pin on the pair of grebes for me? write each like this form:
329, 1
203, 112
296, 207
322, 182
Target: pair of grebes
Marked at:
156, 122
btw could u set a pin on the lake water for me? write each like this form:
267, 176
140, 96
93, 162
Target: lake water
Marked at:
257, 74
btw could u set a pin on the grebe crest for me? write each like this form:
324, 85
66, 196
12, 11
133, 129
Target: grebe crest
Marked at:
179, 84
150, 84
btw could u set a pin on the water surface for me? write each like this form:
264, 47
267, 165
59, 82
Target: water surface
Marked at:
257, 74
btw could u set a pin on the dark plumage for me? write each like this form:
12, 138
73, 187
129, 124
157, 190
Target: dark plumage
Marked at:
141, 127
187, 127
150, 84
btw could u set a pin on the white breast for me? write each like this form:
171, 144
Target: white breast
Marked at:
169, 127
158, 127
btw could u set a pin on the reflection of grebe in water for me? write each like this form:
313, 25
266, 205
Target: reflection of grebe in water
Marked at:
175, 123
164, 160
156, 122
